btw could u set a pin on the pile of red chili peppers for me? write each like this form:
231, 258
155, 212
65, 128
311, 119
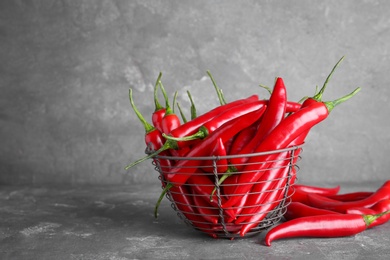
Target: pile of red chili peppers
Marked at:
233, 168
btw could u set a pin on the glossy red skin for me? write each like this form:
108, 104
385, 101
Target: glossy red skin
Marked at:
351, 196
283, 134
170, 122
242, 139
318, 190
193, 125
332, 225
273, 115
271, 181
157, 117
185, 168
298, 210
319, 201
221, 165
377, 208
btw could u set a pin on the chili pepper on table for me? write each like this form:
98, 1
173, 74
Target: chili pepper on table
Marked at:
273, 115
380, 206
319, 201
186, 167
351, 196
159, 110
332, 225
283, 134
298, 210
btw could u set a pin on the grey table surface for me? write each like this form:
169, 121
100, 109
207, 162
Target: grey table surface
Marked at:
117, 222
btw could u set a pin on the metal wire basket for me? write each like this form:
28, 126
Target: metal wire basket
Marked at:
205, 212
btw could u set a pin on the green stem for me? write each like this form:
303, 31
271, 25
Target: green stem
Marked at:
202, 133
148, 127
169, 144
266, 88
181, 113
220, 181
174, 101
165, 190
168, 109
221, 98
331, 104
368, 219
318, 96
193, 108
157, 104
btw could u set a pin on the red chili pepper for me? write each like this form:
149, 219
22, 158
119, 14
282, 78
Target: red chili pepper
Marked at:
153, 137
358, 195
319, 201
317, 190
273, 115
185, 168
299, 210
292, 107
220, 163
159, 111
298, 195
242, 138
283, 134
216, 122
380, 206
332, 225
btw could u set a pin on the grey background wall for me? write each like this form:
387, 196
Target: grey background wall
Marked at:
66, 67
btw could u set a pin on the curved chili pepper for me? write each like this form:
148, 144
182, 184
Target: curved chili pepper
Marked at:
159, 110
317, 190
273, 115
319, 201
219, 120
299, 210
185, 168
332, 225
380, 206
153, 137
358, 195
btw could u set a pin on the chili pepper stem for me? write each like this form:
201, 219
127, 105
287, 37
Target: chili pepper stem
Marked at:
148, 127
167, 145
369, 219
331, 104
220, 181
202, 133
318, 96
221, 98
164, 191
157, 104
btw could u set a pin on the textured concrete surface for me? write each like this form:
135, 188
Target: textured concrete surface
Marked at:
66, 67
117, 223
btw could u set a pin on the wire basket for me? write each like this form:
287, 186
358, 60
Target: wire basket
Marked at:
200, 201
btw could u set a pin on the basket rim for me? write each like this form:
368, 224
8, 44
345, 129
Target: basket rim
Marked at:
288, 149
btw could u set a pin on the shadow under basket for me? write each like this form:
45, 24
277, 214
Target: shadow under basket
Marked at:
205, 199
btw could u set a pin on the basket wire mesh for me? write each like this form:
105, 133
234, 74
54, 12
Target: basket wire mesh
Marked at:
197, 211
